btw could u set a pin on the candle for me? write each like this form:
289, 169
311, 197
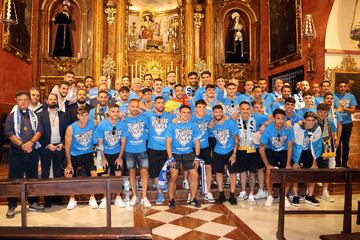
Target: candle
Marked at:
78, 54
140, 71
132, 72
135, 68
176, 74
168, 69
171, 65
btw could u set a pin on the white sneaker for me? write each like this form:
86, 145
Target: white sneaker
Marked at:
287, 203
269, 201
188, 199
92, 203
242, 196
186, 184
209, 197
260, 194
251, 199
102, 204
119, 202
72, 204
326, 196
145, 202
134, 200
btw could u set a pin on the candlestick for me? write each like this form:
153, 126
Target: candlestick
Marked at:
171, 65
176, 74
140, 71
135, 68
132, 72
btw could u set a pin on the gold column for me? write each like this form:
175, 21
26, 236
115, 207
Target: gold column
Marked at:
98, 38
121, 38
198, 16
210, 35
189, 36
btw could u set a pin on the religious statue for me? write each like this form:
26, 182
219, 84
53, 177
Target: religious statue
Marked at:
149, 34
63, 33
237, 50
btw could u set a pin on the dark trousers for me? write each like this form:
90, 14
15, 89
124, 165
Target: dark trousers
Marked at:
342, 151
21, 163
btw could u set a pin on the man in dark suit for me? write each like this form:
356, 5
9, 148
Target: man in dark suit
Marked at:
52, 140
72, 109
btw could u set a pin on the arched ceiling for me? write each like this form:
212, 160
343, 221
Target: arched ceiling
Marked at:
153, 5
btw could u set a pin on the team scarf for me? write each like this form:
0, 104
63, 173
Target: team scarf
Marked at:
246, 134
314, 136
17, 123
100, 115
328, 146
98, 159
162, 180
204, 189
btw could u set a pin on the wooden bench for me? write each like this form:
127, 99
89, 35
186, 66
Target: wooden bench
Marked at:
66, 186
284, 176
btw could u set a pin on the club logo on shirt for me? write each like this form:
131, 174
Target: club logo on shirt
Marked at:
136, 129
84, 138
279, 141
183, 136
230, 110
222, 136
159, 125
203, 127
112, 139
344, 102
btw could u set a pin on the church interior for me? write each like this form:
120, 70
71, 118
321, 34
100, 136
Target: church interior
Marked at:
241, 40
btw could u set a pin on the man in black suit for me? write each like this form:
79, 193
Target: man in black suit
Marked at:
80, 101
52, 140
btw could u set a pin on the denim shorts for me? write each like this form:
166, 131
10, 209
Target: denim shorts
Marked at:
137, 160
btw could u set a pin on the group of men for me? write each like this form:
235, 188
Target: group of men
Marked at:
162, 128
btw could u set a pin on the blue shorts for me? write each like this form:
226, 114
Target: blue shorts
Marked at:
136, 160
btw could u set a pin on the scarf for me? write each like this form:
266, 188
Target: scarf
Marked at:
98, 159
204, 189
17, 123
246, 134
328, 147
162, 180
100, 115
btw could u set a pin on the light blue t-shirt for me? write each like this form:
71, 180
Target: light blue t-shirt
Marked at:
157, 129
231, 106
82, 138
200, 94
111, 135
224, 135
183, 136
167, 93
247, 98
133, 95
276, 105
304, 110
347, 100
277, 141
202, 124
123, 107
136, 133
294, 118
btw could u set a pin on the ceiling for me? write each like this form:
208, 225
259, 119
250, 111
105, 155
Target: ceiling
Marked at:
153, 5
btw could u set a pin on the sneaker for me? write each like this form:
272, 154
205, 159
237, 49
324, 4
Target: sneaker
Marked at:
186, 184
145, 202
260, 194
242, 196
312, 200
302, 199
92, 203
72, 204
10, 212
209, 197
326, 196
251, 199
269, 201
296, 201
221, 198
287, 203
102, 204
160, 198
36, 207
195, 203
119, 202
172, 203
134, 200
188, 199
232, 199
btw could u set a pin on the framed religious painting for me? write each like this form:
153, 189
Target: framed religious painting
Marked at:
284, 31
17, 38
353, 81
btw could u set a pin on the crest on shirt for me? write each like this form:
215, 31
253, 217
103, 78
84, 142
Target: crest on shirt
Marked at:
183, 136
136, 129
159, 125
84, 138
203, 127
278, 141
112, 137
222, 136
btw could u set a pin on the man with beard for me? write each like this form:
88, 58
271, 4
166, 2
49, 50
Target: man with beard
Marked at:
325, 88
276, 150
89, 83
123, 102
172, 106
159, 121
247, 96
63, 103
157, 89
201, 92
227, 140
69, 78
280, 101
72, 109
169, 90
52, 141
99, 113
135, 138
193, 84
181, 140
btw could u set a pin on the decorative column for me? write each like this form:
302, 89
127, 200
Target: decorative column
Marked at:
108, 66
121, 44
98, 38
198, 17
189, 36
210, 35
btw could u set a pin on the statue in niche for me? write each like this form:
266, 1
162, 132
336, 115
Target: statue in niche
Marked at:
237, 48
149, 34
62, 46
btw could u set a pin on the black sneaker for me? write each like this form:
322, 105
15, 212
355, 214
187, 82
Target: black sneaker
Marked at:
232, 199
10, 212
172, 203
36, 207
296, 201
312, 200
221, 198
195, 203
